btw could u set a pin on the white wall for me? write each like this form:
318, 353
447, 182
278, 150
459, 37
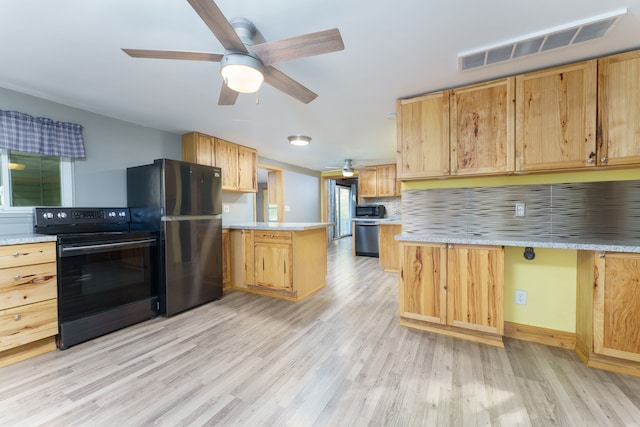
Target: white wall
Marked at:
111, 146
301, 197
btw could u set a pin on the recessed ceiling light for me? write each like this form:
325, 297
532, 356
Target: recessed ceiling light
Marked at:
299, 140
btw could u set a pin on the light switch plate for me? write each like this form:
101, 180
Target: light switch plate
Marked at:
520, 209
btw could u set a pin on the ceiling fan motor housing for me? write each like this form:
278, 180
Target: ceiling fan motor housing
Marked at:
244, 29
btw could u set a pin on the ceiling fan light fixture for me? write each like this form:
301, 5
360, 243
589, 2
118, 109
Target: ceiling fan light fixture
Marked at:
299, 140
242, 72
347, 173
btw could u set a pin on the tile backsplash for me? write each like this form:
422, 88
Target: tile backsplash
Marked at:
594, 210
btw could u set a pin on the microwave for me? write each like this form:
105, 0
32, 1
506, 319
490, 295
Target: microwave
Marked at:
370, 211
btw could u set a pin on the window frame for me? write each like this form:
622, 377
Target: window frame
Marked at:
67, 185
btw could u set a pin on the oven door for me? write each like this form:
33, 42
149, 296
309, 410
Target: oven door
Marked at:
105, 282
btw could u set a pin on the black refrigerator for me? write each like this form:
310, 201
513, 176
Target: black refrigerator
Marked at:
182, 202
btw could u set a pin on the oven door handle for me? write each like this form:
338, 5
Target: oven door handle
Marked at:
78, 250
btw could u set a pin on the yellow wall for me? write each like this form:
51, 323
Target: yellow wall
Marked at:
549, 279
550, 282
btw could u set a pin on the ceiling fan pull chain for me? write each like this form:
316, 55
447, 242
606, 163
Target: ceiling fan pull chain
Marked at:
257, 97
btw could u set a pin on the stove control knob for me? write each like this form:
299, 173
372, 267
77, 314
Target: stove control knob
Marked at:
122, 214
112, 214
47, 215
62, 215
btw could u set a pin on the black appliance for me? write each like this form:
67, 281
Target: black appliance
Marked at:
106, 274
370, 211
183, 203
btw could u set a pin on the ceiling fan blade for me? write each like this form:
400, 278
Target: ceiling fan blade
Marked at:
218, 24
286, 84
227, 96
299, 47
174, 54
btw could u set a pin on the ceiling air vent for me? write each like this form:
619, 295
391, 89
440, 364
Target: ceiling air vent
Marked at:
554, 38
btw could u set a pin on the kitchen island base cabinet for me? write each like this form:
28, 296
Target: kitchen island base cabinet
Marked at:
454, 290
608, 311
289, 265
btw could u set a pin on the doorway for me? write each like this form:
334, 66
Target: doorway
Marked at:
339, 198
270, 197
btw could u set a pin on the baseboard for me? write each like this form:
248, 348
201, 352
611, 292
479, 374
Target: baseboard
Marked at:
550, 337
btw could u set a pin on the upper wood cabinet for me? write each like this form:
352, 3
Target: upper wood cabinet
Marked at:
378, 181
247, 169
198, 148
556, 118
423, 136
238, 164
226, 154
619, 110
464, 131
367, 178
483, 128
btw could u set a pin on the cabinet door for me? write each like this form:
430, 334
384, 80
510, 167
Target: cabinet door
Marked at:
386, 181
227, 160
423, 136
367, 182
247, 169
198, 148
619, 109
248, 257
475, 288
556, 118
226, 260
483, 128
616, 306
273, 265
423, 282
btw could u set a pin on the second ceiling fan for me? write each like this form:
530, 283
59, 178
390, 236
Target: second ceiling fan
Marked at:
251, 61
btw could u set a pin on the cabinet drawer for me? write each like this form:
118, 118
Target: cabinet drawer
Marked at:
27, 254
272, 236
27, 284
28, 323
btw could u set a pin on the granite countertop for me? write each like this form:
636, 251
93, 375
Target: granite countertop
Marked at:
19, 239
578, 244
279, 226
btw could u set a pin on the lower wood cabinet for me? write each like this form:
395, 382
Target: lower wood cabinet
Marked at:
283, 264
226, 261
389, 246
456, 290
28, 301
608, 311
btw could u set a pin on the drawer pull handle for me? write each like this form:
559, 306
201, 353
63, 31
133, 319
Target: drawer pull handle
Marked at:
17, 277
15, 254
16, 317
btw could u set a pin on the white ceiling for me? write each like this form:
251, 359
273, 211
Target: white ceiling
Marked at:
68, 51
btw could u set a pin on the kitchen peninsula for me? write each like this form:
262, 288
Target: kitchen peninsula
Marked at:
278, 259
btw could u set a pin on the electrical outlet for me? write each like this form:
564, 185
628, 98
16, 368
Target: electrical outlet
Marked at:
520, 209
287, 208
521, 297
225, 208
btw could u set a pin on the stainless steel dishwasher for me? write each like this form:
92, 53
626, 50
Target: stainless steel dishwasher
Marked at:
366, 235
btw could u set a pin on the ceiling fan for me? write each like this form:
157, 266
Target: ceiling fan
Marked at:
254, 62
348, 169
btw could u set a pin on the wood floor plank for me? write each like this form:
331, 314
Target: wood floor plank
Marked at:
338, 358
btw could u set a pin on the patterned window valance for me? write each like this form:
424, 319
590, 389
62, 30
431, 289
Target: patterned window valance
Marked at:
22, 132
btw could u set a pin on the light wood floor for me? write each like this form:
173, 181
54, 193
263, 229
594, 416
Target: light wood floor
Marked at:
338, 358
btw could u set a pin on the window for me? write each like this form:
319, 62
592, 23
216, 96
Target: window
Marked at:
28, 179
